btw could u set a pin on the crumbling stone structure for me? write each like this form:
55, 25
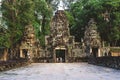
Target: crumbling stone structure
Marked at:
92, 40
3, 54
60, 45
29, 44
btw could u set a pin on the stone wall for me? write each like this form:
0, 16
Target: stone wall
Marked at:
11, 64
108, 61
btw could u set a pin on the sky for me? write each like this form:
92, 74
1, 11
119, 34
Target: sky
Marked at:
0, 13
61, 5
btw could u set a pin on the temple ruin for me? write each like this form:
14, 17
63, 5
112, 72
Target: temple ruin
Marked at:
92, 39
60, 45
29, 46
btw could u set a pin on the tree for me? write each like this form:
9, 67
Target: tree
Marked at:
105, 13
4, 37
43, 12
17, 14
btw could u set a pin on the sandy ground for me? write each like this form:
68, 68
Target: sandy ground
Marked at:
61, 71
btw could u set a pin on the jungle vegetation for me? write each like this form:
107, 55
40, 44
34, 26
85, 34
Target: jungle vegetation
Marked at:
16, 14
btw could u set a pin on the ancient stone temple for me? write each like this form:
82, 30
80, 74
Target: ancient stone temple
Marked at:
92, 39
59, 44
28, 48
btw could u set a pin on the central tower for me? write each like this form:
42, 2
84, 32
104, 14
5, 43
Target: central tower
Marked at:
59, 43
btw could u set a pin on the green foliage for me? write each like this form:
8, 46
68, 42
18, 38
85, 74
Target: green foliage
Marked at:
4, 37
43, 16
19, 13
70, 18
83, 10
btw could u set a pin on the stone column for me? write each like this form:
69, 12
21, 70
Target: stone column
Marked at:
99, 53
90, 53
21, 53
54, 55
66, 55
5, 56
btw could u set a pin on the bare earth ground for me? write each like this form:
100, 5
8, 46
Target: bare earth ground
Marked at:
61, 71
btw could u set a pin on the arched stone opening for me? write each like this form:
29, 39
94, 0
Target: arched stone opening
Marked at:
60, 54
95, 51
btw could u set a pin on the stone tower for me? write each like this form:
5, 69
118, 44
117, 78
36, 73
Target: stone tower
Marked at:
59, 29
92, 39
59, 43
28, 46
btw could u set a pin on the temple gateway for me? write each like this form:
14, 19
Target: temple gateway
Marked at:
92, 40
60, 45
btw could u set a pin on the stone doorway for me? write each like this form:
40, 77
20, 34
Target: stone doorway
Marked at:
60, 55
24, 53
95, 52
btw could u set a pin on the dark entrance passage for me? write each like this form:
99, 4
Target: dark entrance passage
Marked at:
25, 52
60, 55
95, 52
